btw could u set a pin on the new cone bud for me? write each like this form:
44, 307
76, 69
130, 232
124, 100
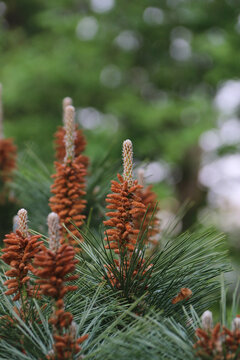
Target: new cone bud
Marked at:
15, 223
22, 222
66, 102
69, 137
128, 161
73, 330
140, 176
207, 320
53, 231
236, 324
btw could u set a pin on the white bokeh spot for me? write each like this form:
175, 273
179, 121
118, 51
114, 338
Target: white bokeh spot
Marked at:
87, 28
227, 99
127, 40
111, 76
153, 16
101, 6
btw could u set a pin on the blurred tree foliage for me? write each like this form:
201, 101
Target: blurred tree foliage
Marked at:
145, 70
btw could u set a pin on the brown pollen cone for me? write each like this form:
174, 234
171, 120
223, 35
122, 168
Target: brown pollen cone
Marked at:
79, 145
68, 189
19, 253
209, 344
232, 342
124, 225
8, 153
218, 345
184, 294
55, 270
151, 222
66, 347
123, 220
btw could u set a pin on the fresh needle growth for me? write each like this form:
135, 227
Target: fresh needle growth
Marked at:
79, 139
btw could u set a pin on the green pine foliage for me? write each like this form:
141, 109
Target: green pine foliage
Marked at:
191, 260
137, 319
138, 322
164, 103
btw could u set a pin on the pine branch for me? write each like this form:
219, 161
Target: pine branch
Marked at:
192, 260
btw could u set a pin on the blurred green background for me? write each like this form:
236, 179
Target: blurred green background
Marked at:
162, 73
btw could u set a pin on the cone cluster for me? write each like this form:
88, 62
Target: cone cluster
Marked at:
218, 342
126, 208
54, 265
52, 268
55, 270
19, 252
69, 184
125, 223
68, 189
